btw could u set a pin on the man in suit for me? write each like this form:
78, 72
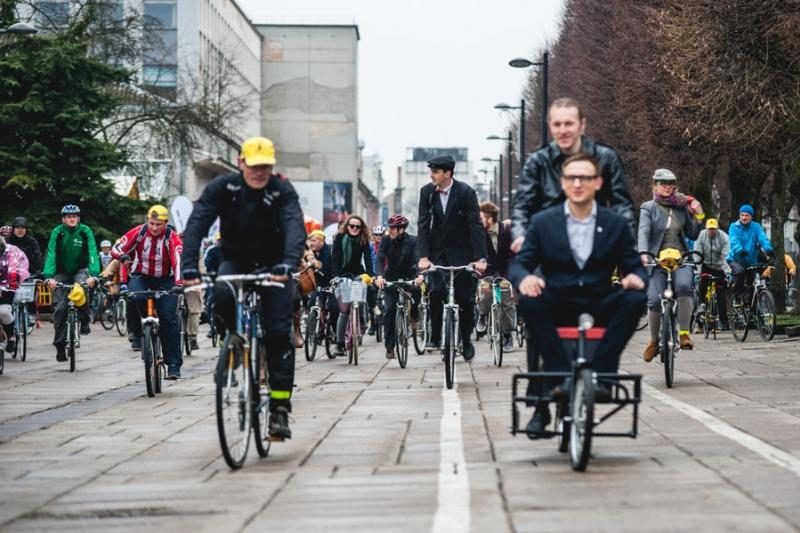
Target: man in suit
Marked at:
449, 233
578, 245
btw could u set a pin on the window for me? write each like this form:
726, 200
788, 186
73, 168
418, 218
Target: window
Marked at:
110, 10
52, 14
160, 14
160, 75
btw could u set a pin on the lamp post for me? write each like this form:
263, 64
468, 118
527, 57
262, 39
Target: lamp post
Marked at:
521, 62
521, 107
499, 182
509, 140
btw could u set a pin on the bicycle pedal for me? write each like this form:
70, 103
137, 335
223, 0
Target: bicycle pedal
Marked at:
275, 438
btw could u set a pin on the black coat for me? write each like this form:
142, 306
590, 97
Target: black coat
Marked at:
360, 258
325, 273
540, 184
31, 249
398, 260
499, 259
260, 227
454, 238
547, 245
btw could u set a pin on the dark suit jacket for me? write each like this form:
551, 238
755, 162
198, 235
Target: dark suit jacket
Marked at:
498, 259
453, 238
547, 245
398, 261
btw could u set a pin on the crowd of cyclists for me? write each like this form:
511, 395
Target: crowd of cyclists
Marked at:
572, 233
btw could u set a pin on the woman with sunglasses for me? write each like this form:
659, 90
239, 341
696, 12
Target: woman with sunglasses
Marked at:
351, 257
667, 221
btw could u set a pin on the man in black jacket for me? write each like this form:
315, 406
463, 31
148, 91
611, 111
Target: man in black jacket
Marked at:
397, 259
450, 233
539, 186
577, 275
262, 229
26, 243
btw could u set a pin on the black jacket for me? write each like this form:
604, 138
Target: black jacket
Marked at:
456, 237
32, 251
399, 257
360, 258
324, 274
259, 227
547, 245
540, 184
498, 259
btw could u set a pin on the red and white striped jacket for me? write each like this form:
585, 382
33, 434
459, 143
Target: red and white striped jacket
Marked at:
152, 256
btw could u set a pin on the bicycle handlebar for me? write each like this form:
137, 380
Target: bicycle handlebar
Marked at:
468, 268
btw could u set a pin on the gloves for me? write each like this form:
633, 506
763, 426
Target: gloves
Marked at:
190, 274
124, 258
282, 269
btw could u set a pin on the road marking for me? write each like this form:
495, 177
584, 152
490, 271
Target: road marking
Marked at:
452, 511
754, 444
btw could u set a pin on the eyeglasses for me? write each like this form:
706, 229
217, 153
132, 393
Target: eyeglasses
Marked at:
667, 183
579, 177
354, 226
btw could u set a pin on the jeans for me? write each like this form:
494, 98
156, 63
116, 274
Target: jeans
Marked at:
167, 309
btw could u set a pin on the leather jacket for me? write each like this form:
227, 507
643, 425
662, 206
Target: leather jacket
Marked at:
540, 184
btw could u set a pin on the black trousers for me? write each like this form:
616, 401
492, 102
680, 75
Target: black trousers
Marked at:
721, 299
618, 312
60, 311
390, 312
276, 324
464, 284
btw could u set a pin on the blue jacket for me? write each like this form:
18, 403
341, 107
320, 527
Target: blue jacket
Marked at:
745, 243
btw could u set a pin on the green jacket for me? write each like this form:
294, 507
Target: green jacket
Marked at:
71, 249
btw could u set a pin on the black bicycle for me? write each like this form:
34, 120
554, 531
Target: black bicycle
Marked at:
73, 339
318, 327
402, 318
755, 307
183, 325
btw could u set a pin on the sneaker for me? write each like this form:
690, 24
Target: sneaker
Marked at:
85, 329
193, 344
686, 342
11, 345
173, 374
480, 325
61, 353
279, 424
339, 352
469, 352
508, 343
136, 345
650, 352
390, 354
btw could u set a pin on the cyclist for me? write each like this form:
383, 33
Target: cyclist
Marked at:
71, 258
212, 259
13, 271
450, 234
378, 232
25, 242
667, 221
397, 259
747, 240
498, 247
539, 186
105, 253
156, 251
714, 244
577, 246
320, 258
351, 256
262, 226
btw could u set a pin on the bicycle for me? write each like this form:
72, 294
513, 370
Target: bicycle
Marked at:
185, 343
318, 328
422, 335
402, 318
73, 340
669, 343
494, 331
121, 316
353, 292
709, 316
759, 312
24, 295
378, 314
450, 323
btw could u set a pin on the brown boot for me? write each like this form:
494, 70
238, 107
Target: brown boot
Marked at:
298, 339
650, 352
686, 342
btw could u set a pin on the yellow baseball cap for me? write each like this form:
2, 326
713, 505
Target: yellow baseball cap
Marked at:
712, 223
317, 233
258, 151
158, 211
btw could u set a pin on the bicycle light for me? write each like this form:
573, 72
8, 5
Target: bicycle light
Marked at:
585, 321
668, 294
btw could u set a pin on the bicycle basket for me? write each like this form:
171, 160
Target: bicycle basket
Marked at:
351, 291
25, 293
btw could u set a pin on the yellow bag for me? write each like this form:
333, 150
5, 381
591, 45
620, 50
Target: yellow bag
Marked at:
77, 295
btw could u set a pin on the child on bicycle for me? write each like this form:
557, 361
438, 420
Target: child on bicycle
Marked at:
13, 271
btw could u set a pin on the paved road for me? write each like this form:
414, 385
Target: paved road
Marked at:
379, 448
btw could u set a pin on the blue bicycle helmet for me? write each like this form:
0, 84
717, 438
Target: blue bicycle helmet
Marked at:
70, 209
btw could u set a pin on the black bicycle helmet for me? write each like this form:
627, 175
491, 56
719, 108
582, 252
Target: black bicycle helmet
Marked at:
398, 221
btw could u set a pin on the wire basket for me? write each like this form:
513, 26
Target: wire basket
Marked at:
351, 291
26, 293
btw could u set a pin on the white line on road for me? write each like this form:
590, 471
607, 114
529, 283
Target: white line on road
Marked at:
754, 444
452, 511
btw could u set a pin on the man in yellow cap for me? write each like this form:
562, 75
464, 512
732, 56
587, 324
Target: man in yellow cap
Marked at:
155, 250
262, 230
714, 244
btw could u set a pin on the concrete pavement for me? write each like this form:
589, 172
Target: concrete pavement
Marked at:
90, 452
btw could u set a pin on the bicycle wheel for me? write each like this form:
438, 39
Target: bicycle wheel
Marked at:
450, 344
2, 358
582, 407
739, 319
401, 336
668, 344
158, 367
519, 331
714, 315
707, 320
421, 333
330, 339
310, 337
121, 317
260, 399
183, 341
72, 333
213, 329
355, 328
148, 356
562, 427
106, 314
233, 402
496, 336
22, 332
765, 314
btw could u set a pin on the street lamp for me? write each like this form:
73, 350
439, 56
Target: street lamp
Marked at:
521, 107
19, 28
498, 182
521, 62
510, 170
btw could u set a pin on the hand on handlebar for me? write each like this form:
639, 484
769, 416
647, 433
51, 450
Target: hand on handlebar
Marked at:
424, 263
480, 266
380, 282
632, 282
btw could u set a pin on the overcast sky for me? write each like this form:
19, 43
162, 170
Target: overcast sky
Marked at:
431, 71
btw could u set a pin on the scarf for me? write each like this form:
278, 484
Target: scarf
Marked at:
675, 199
347, 249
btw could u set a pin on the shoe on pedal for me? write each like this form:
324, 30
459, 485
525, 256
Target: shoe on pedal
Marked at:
508, 342
85, 329
136, 344
390, 354
650, 352
11, 345
173, 374
469, 352
61, 353
538, 422
279, 424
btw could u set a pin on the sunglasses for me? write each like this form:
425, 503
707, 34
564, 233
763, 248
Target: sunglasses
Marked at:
667, 183
354, 226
